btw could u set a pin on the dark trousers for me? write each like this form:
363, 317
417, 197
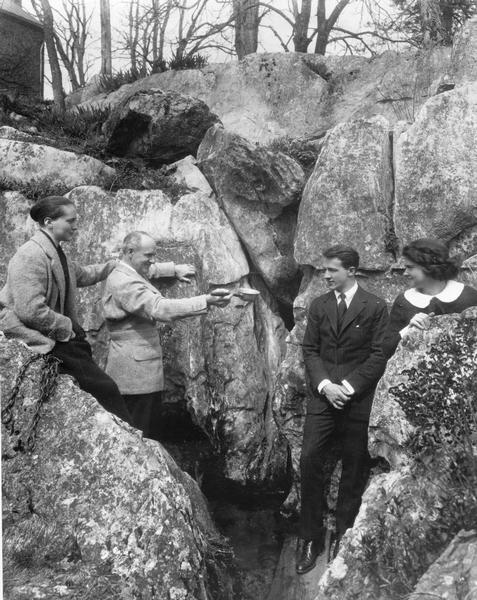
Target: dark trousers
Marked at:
145, 411
77, 360
319, 431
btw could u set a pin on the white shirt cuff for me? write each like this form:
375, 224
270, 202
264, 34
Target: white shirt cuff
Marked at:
348, 386
322, 384
404, 331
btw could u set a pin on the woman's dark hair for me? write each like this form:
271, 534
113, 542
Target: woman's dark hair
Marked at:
347, 255
433, 257
51, 206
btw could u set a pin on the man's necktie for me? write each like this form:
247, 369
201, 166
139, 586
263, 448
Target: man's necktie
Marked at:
341, 310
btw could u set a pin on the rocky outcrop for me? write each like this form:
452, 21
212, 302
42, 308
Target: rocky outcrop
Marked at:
268, 96
454, 573
409, 515
94, 506
44, 168
161, 127
259, 191
436, 192
348, 198
219, 367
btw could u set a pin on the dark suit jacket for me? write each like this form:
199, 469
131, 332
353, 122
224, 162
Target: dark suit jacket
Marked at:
354, 354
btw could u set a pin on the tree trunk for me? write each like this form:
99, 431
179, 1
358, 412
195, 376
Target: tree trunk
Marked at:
322, 31
246, 26
106, 63
302, 22
56, 78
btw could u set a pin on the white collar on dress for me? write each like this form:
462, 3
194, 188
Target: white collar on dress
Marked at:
450, 293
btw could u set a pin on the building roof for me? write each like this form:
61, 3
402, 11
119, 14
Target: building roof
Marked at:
15, 9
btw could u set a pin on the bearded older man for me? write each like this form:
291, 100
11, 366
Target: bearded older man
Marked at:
133, 307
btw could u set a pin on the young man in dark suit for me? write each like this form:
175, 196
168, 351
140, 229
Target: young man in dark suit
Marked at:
343, 362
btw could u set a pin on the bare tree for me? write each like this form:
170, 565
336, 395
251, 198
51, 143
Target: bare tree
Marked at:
198, 30
299, 16
144, 40
246, 21
45, 15
325, 25
105, 16
72, 25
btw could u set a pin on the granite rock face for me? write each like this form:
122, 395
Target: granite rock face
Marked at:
267, 96
410, 511
161, 127
454, 573
348, 198
259, 190
219, 367
50, 169
93, 499
436, 191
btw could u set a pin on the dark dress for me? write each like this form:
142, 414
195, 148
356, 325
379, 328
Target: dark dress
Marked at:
447, 302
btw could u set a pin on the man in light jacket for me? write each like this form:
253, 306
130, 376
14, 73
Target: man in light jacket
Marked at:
132, 308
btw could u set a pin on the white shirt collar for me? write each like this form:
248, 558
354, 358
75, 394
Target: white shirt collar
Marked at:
349, 295
450, 293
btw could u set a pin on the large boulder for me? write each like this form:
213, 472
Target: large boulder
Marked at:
259, 191
219, 367
93, 508
348, 198
267, 96
159, 126
453, 573
49, 170
423, 423
436, 190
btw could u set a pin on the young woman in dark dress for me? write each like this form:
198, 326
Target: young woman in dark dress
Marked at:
435, 290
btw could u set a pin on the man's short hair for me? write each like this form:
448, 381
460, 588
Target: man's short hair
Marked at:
346, 254
134, 239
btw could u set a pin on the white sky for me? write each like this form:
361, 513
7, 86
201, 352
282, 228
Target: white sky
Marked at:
353, 17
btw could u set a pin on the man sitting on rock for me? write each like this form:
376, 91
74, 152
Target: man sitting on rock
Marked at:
132, 308
343, 362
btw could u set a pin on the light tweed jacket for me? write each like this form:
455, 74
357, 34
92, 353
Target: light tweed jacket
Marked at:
132, 307
34, 304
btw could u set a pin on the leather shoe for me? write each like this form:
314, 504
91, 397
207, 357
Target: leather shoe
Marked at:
309, 553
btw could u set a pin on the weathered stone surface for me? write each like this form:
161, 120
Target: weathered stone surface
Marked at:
454, 573
10, 133
93, 499
15, 226
49, 169
415, 509
389, 498
267, 96
389, 429
221, 366
186, 173
436, 190
463, 67
348, 198
159, 126
259, 191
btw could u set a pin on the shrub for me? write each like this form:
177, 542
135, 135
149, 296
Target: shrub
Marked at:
81, 123
305, 152
110, 83
411, 527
